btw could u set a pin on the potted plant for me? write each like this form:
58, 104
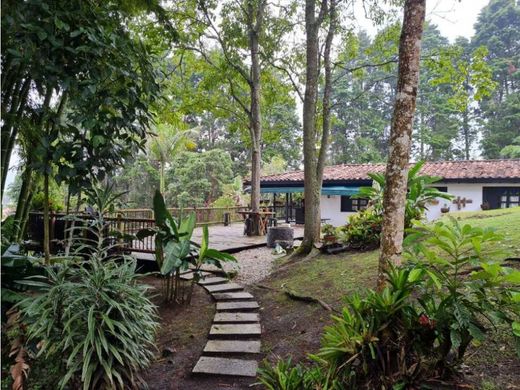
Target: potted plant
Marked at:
485, 206
329, 233
445, 209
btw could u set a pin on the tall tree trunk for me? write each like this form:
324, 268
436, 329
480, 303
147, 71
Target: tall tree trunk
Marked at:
161, 177
10, 129
46, 220
22, 204
465, 128
255, 27
400, 136
313, 162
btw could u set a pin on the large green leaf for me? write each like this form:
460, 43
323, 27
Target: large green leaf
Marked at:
187, 225
161, 213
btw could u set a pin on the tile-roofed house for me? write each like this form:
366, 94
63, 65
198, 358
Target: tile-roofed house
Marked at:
448, 170
475, 184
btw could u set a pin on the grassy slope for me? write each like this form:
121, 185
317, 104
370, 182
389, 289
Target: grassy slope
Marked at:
331, 277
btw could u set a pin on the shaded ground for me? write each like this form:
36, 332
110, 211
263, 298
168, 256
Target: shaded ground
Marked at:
184, 331
293, 328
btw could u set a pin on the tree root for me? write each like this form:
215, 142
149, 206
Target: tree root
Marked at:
306, 298
298, 297
297, 257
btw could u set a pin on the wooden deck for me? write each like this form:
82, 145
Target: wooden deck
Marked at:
229, 239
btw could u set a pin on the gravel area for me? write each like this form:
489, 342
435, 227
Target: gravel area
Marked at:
252, 265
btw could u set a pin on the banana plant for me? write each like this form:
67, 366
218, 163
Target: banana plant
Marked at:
175, 252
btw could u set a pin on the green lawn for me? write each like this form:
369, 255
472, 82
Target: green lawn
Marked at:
332, 277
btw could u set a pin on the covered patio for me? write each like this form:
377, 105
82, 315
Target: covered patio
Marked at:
291, 207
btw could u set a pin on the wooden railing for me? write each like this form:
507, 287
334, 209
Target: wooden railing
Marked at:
126, 222
204, 215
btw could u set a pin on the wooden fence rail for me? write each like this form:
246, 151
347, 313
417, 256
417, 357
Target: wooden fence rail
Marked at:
204, 215
127, 222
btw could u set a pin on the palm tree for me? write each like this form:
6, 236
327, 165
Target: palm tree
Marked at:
168, 141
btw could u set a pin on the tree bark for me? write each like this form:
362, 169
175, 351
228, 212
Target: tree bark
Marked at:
313, 162
10, 129
22, 203
400, 137
46, 220
255, 27
465, 128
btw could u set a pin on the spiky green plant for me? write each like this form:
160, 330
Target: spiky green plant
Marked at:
96, 320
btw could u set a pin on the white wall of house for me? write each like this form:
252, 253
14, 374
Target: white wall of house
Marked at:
472, 191
331, 209
331, 205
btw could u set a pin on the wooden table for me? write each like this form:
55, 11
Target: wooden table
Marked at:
261, 216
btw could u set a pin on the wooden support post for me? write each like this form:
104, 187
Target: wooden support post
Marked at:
286, 207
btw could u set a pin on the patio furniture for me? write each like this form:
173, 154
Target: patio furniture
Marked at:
249, 221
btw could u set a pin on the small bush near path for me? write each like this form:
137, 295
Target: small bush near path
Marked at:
95, 323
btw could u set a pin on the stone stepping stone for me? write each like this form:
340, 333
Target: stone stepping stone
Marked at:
237, 305
223, 287
189, 275
215, 280
225, 366
236, 317
235, 330
232, 346
232, 295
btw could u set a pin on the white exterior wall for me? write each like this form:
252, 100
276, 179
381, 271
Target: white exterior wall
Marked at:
331, 209
473, 191
331, 205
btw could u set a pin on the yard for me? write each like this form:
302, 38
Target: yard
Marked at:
292, 328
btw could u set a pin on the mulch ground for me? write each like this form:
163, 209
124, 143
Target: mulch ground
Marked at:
181, 337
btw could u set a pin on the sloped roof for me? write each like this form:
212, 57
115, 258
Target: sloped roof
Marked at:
466, 170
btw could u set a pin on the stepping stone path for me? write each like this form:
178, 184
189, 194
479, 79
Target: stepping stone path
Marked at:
235, 333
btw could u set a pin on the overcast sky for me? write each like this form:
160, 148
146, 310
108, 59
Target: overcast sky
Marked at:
453, 17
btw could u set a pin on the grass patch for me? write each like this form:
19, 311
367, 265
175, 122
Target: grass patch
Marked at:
332, 277
504, 221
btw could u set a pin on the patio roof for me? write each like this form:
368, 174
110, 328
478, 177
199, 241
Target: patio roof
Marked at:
336, 190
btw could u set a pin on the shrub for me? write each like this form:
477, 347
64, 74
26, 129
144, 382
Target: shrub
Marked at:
96, 320
56, 203
465, 294
446, 297
363, 230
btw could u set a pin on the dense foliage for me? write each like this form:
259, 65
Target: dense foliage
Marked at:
363, 230
96, 321
450, 294
175, 252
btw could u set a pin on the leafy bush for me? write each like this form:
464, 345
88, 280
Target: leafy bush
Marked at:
447, 297
224, 201
96, 320
56, 203
464, 294
175, 252
363, 230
